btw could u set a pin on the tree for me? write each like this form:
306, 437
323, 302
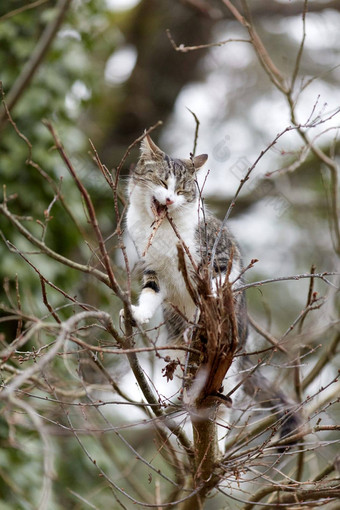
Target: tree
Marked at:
83, 391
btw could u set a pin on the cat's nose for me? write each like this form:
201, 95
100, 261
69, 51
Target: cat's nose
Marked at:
168, 201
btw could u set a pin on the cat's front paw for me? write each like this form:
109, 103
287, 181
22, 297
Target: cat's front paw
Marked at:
140, 314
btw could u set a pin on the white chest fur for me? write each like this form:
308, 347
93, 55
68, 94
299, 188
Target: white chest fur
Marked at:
161, 253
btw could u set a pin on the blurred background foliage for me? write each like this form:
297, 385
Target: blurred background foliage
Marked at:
110, 73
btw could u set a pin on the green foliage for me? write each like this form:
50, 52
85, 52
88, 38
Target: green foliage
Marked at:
69, 89
75, 61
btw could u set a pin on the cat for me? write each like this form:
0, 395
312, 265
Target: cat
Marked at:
161, 184
158, 186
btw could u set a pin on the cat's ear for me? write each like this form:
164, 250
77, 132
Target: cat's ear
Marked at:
194, 164
149, 149
199, 161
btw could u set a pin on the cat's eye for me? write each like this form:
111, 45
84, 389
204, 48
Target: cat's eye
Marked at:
180, 192
164, 184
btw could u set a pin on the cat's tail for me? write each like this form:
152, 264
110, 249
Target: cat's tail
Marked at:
257, 386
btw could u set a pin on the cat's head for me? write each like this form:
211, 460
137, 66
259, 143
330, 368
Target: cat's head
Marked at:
167, 182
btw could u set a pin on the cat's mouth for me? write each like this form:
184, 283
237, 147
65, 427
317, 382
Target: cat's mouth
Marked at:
157, 208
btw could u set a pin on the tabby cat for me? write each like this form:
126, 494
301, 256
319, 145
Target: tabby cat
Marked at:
161, 185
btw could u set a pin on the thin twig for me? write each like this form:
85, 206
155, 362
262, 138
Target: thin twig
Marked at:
301, 47
325, 358
185, 49
56, 189
288, 278
246, 178
48, 455
65, 330
265, 60
266, 335
133, 144
19, 326
54, 255
36, 58
24, 8
197, 122
92, 214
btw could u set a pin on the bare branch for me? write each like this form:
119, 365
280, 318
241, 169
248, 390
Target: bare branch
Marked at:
36, 58
185, 49
45, 249
300, 52
264, 58
93, 219
287, 278
24, 8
